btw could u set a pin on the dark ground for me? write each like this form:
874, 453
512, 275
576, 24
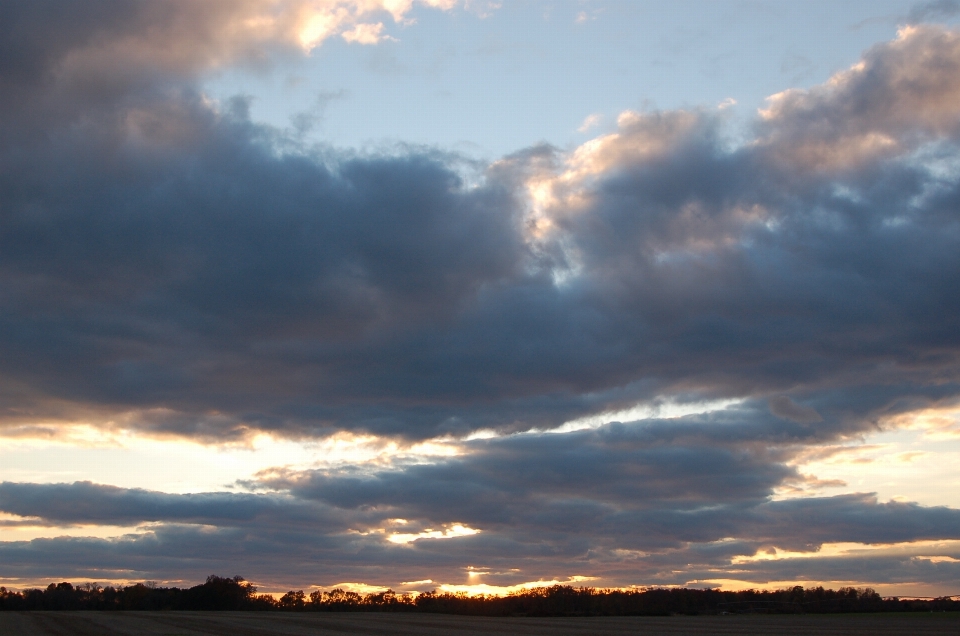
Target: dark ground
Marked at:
360, 624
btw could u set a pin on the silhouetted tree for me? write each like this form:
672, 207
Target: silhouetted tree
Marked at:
218, 593
293, 600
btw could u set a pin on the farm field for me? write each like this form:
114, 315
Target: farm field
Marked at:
362, 624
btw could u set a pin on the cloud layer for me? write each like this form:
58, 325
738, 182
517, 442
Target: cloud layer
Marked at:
168, 266
622, 504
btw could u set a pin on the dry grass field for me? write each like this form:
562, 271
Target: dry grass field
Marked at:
275, 624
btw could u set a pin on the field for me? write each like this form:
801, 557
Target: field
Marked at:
275, 624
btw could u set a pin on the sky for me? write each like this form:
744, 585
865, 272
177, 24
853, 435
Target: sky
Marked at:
480, 296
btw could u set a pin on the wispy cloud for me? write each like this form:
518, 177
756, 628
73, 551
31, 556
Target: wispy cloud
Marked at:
591, 121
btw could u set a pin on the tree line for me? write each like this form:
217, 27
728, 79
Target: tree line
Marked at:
222, 593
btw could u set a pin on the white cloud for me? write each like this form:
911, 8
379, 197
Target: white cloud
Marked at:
590, 122
365, 34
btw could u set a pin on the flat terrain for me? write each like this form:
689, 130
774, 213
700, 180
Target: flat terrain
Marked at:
273, 623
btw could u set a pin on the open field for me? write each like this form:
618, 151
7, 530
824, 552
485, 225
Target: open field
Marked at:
360, 624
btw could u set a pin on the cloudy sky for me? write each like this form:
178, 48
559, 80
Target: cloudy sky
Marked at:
472, 295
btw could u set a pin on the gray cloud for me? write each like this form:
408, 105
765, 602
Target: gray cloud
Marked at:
89, 503
667, 501
783, 406
932, 10
881, 569
169, 266
612, 536
638, 487
503, 480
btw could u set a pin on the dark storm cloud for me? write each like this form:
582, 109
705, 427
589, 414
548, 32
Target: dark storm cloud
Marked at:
500, 481
663, 502
783, 406
616, 537
878, 568
633, 487
853, 518
190, 553
89, 503
167, 265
